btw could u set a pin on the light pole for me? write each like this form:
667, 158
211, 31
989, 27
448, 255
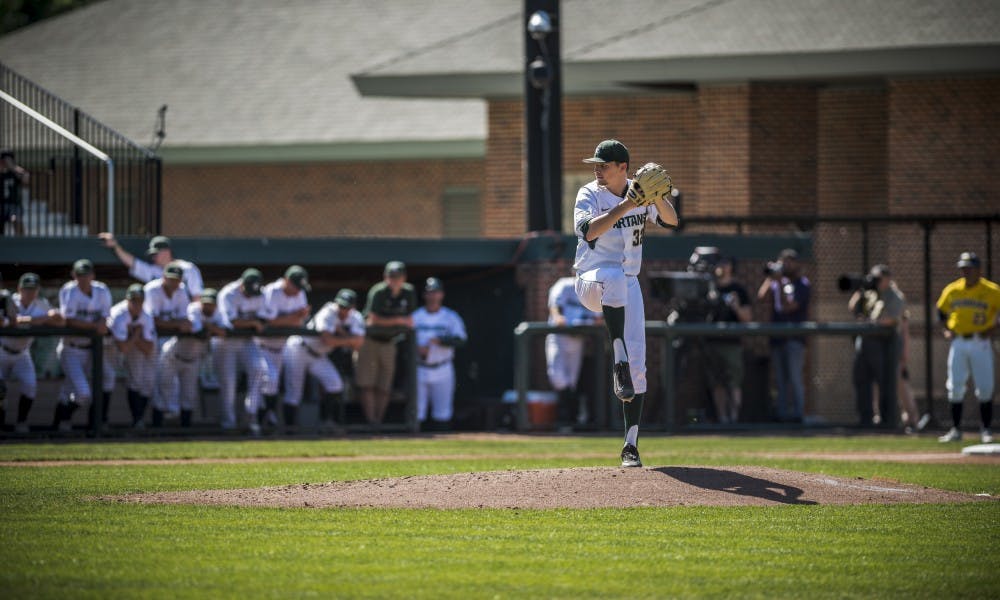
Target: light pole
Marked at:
543, 115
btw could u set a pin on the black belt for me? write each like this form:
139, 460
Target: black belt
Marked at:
78, 346
186, 360
311, 351
10, 350
971, 336
434, 365
270, 349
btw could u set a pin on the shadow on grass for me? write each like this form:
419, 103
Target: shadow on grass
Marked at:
736, 483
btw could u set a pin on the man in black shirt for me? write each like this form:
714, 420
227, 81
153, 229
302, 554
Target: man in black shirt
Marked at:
725, 354
12, 180
388, 314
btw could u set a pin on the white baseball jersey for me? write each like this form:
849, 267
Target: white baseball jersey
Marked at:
328, 320
443, 322
146, 272
39, 307
161, 306
120, 321
620, 246
276, 304
233, 304
93, 308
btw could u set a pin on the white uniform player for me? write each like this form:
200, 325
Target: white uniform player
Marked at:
610, 229
285, 305
15, 352
85, 305
564, 353
160, 254
134, 335
439, 331
242, 306
182, 356
340, 325
167, 300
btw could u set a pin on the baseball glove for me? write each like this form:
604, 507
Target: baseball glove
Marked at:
650, 182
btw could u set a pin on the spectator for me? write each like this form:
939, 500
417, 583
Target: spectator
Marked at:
13, 179
183, 355
85, 304
339, 326
167, 300
285, 305
788, 293
564, 352
32, 310
134, 336
725, 354
160, 254
968, 309
241, 306
388, 315
882, 304
439, 331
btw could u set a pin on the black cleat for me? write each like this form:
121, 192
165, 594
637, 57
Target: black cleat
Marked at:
630, 456
623, 382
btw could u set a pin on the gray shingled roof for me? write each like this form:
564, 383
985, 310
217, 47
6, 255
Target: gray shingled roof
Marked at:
248, 72
606, 47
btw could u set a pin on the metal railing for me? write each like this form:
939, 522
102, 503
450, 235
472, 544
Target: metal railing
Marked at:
666, 334
97, 350
72, 192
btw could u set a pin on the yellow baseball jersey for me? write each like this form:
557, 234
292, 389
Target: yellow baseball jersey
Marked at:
970, 310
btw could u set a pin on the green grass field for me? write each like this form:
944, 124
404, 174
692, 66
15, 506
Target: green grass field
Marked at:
58, 542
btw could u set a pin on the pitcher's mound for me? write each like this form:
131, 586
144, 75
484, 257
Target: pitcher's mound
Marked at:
595, 487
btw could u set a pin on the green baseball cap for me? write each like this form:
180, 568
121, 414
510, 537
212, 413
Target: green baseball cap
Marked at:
135, 291
160, 242
251, 279
209, 296
299, 277
28, 281
394, 267
173, 270
83, 267
609, 151
346, 298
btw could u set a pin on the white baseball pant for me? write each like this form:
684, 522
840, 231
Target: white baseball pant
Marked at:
184, 370
436, 390
75, 363
609, 286
19, 366
231, 356
299, 359
970, 356
564, 358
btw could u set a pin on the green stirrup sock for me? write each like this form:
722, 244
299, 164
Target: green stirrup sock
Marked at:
633, 415
614, 318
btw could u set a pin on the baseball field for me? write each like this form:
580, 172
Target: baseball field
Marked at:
500, 516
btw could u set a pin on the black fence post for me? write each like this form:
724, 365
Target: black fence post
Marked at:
928, 322
97, 379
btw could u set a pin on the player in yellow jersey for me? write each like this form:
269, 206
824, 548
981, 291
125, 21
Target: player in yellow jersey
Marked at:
968, 308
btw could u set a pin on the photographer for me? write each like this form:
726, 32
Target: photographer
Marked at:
788, 293
725, 354
876, 300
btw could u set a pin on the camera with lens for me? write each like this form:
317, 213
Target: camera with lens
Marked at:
691, 295
773, 268
850, 282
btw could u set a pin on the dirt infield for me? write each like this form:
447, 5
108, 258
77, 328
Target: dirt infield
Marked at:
588, 487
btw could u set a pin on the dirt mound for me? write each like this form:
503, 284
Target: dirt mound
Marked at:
594, 487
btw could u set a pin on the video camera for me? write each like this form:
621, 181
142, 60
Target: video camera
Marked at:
850, 282
691, 295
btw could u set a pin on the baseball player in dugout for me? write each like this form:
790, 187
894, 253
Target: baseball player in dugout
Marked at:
160, 255
167, 299
564, 352
610, 217
388, 313
968, 309
439, 331
241, 305
339, 325
285, 305
26, 309
84, 304
182, 356
134, 336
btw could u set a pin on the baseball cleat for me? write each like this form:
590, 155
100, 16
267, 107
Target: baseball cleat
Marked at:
986, 436
623, 382
630, 456
953, 435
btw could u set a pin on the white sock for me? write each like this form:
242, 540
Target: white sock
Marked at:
632, 435
619, 348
